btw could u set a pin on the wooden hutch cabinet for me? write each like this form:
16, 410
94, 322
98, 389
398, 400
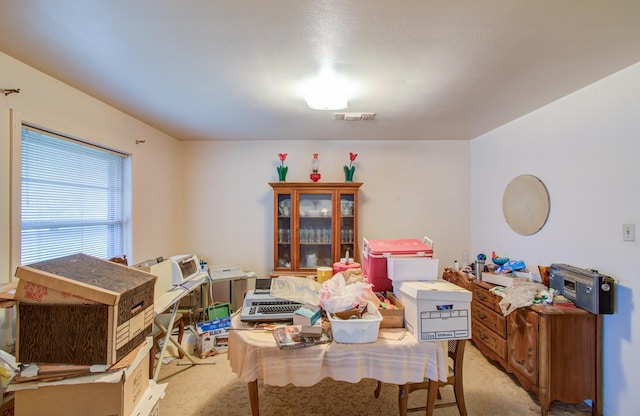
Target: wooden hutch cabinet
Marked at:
554, 352
314, 224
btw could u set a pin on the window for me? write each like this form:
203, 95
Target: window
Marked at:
72, 198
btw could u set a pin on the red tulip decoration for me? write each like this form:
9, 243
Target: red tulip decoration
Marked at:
282, 169
350, 170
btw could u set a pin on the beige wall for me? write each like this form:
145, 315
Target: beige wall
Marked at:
156, 164
410, 189
586, 149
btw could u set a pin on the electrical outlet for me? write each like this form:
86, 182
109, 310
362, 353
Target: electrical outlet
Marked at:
628, 232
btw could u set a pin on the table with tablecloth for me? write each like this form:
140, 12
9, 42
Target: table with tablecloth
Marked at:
254, 355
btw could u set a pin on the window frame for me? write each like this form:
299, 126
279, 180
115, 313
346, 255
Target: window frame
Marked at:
17, 122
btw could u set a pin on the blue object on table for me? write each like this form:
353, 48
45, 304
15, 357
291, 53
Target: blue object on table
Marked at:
499, 261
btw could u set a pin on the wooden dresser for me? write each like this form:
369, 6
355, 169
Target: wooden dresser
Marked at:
554, 352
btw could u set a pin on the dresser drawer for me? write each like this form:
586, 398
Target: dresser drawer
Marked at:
482, 334
492, 320
481, 294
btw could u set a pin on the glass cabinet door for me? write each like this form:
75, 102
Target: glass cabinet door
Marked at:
348, 227
315, 235
284, 232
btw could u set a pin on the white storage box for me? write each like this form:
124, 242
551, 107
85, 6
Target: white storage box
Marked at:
436, 310
356, 331
412, 268
502, 279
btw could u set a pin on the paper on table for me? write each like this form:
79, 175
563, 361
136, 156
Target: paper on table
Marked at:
296, 289
395, 334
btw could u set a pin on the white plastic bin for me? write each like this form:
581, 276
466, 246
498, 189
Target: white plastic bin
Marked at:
412, 268
356, 331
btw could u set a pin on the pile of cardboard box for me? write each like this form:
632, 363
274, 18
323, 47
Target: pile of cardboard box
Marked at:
434, 309
83, 339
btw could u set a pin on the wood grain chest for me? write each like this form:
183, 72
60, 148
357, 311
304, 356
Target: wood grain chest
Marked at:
554, 352
489, 326
82, 310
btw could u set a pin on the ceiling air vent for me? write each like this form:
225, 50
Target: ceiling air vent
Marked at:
354, 116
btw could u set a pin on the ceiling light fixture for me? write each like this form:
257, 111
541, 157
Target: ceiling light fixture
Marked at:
326, 92
354, 116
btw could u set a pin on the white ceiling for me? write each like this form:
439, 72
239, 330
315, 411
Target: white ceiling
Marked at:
429, 69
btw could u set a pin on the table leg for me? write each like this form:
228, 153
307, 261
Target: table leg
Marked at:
403, 398
167, 337
253, 397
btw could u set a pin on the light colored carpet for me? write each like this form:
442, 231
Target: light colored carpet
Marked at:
207, 390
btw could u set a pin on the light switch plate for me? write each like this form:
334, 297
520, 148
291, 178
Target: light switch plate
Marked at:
628, 232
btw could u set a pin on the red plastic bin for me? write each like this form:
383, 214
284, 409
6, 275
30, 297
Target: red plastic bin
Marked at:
375, 253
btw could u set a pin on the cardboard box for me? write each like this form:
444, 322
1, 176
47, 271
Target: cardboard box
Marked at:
392, 318
110, 393
307, 315
205, 345
436, 310
150, 403
162, 270
117, 319
412, 268
376, 252
8, 406
30, 292
209, 334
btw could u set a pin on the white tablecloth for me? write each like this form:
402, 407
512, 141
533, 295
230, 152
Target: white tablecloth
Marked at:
253, 355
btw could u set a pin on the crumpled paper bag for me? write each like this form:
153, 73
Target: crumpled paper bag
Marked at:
518, 295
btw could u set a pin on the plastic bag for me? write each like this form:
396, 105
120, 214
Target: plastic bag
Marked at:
8, 369
337, 296
511, 266
518, 295
296, 289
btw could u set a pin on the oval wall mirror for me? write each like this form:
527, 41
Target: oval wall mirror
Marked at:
526, 204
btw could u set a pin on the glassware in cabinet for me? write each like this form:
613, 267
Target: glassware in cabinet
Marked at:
283, 232
315, 229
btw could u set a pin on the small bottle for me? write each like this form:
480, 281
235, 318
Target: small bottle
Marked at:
479, 269
455, 265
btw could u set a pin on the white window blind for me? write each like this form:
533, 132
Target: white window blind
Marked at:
71, 198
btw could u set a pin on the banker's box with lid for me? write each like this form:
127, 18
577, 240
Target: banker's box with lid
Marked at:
436, 310
376, 252
107, 313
